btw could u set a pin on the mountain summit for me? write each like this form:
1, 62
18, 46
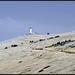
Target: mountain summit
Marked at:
39, 54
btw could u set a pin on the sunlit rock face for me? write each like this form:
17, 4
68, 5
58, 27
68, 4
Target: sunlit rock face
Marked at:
38, 54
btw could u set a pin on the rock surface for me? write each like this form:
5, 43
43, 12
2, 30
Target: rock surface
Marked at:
38, 54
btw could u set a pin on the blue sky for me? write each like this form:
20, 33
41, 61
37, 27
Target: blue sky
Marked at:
43, 16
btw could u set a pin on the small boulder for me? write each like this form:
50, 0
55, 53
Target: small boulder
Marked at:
21, 43
53, 44
41, 39
40, 55
56, 36
66, 41
14, 45
29, 70
58, 43
62, 43
47, 46
20, 61
6, 48
51, 37
69, 40
31, 41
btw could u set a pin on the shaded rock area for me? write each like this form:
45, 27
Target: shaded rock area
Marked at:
62, 43
69, 52
21, 43
72, 46
38, 48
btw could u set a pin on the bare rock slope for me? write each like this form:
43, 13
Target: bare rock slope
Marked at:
39, 54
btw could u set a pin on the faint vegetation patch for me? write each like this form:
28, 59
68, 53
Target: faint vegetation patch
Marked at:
25, 70
20, 61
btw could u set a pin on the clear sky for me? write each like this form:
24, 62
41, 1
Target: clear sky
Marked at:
43, 16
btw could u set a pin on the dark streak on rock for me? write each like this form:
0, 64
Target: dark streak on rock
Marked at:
40, 55
41, 39
29, 70
57, 36
41, 70
21, 43
69, 52
47, 46
38, 48
46, 67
